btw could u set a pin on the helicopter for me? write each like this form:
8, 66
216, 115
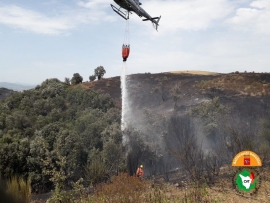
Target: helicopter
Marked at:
134, 6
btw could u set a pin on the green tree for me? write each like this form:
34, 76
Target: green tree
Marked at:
99, 72
96, 170
35, 162
47, 133
210, 113
112, 133
52, 88
14, 100
69, 145
76, 79
51, 131
90, 125
67, 81
40, 107
113, 156
92, 77
18, 120
13, 156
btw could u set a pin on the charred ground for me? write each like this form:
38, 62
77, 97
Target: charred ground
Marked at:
234, 88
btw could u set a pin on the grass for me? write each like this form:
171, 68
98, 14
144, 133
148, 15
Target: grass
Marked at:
122, 188
128, 189
241, 83
20, 189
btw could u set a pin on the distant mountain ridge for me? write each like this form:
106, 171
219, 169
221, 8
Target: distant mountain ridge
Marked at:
16, 86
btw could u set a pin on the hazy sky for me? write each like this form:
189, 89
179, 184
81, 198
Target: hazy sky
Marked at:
56, 38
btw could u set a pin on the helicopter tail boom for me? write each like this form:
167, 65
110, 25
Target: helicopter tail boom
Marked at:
154, 20
151, 19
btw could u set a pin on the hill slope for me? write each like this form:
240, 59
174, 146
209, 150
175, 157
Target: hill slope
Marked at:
245, 96
194, 86
4, 93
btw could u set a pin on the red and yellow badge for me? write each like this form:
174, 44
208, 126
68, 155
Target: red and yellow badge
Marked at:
246, 159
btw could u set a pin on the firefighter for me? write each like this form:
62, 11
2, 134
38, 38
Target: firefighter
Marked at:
139, 172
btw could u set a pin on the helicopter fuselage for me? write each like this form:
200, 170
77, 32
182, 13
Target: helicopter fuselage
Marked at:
131, 5
134, 6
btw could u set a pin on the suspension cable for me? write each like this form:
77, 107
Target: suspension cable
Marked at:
126, 45
126, 34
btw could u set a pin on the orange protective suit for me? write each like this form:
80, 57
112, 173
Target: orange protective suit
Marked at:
139, 172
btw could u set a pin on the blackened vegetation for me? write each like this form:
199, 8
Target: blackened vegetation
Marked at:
181, 142
196, 124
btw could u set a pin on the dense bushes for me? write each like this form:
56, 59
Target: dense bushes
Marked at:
48, 134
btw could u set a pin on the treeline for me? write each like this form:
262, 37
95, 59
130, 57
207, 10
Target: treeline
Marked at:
56, 134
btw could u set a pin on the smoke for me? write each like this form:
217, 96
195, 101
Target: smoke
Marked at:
205, 129
147, 126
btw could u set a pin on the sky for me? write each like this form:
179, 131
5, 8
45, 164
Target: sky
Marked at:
57, 38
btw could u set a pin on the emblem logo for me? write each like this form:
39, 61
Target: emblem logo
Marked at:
246, 180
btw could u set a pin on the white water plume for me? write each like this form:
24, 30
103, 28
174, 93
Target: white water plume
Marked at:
124, 96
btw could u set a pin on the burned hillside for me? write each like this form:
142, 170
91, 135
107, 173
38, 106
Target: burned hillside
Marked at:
224, 114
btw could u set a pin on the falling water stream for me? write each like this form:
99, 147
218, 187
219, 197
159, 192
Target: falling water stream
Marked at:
124, 96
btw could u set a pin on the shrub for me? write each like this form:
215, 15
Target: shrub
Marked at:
96, 170
76, 79
67, 81
92, 77
197, 194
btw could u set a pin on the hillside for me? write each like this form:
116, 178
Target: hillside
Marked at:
184, 127
226, 113
195, 86
245, 96
4, 93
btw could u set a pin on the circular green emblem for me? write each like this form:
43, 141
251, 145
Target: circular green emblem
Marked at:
246, 181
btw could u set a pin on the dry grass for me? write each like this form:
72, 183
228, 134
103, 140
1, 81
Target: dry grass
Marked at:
123, 188
20, 189
194, 72
243, 84
126, 189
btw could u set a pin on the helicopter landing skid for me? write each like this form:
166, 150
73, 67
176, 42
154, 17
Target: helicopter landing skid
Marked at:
121, 13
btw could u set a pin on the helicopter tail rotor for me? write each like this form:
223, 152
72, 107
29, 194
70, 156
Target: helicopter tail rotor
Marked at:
155, 21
